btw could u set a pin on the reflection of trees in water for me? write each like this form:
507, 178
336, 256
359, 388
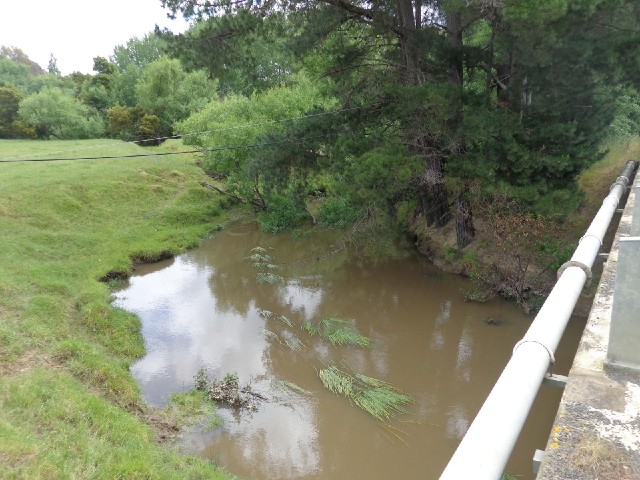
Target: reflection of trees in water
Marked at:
234, 282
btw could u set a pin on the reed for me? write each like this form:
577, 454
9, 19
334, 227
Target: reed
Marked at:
378, 398
338, 331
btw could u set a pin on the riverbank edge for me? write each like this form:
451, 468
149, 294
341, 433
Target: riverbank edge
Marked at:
484, 263
69, 407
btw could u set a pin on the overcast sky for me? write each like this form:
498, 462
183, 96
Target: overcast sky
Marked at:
75, 31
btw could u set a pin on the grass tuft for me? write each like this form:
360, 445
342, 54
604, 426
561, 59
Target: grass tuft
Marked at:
338, 331
379, 399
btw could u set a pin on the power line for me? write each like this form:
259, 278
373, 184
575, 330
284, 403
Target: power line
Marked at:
159, 154
190, 134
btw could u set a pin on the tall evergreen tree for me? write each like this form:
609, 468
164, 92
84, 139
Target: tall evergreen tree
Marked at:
515, 95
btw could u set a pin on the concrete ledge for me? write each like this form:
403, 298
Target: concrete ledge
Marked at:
596, 432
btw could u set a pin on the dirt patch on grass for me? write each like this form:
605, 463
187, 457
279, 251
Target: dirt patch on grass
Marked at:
28, 362
166, 429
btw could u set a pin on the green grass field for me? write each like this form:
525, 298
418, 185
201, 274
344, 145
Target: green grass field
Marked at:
68, 405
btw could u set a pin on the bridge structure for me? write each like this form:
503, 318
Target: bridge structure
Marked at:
596, 432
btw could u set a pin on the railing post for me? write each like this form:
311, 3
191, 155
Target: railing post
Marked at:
635, 219
624, 334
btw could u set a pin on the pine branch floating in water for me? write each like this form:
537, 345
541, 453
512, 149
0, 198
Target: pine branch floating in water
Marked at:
265, 263
285, 320
338, 331
265, 313
268, 277
376, 397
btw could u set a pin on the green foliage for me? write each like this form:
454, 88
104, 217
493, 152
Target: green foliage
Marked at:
123, 122
105, 71
138, 52
266, 264
283, 212
123, 86
292, 387
17, 55
380, 176
50, 80
379, 399
54, 427
246, 52
237, 120
513, 96
95, 95
193, 407
509, 476
170, 93
14, 74
60, 115
337, 212
627, 120
150, 126
52, 67
10, 99
338, 331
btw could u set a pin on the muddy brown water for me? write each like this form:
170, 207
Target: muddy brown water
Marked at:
201, 310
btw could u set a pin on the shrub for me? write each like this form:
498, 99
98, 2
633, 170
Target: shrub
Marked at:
282, 213
337, 212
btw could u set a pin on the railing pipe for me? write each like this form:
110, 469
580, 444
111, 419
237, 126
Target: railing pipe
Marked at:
487, 445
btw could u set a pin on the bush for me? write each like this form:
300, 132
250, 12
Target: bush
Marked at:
337, 212
282, 213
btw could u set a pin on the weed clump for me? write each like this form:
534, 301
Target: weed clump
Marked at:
379, 399
338, 331
228, 391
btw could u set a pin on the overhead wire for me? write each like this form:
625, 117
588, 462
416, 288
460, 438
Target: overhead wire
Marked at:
159, 154
14, 159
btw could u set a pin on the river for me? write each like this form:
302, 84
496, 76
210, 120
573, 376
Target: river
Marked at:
206, 309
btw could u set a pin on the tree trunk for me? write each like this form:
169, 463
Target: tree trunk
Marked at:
434, 197
465, 230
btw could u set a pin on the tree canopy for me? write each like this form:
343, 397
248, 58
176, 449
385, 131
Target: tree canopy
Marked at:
511, 95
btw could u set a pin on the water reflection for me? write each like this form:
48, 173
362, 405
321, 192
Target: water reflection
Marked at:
203, 310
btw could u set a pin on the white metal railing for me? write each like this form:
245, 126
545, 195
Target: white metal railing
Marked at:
487, 445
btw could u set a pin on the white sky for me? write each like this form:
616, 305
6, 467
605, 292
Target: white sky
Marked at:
75, 31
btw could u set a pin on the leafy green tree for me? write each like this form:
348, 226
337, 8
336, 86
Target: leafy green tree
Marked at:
17, 55
129, 123
138, 52
150, 128
627, 121
237, 120
244, 51
171, 94
10, 99
95, 95
60, 115
14, 73
513, 95
131, 60
51, 80
123, 86
105, 71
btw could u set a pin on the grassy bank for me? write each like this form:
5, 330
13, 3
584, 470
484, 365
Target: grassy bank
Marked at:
68, 406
